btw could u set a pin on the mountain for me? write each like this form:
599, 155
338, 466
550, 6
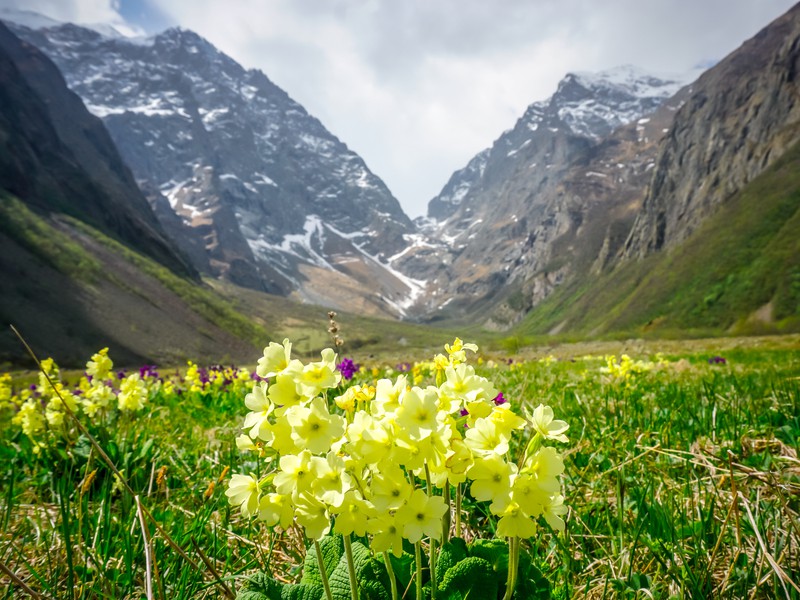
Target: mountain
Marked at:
714, 247
60, 158
83, 260
741, 117
253, 188
567, 178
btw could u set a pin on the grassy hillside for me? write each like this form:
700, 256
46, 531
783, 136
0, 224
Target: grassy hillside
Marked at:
738, 272
71, 290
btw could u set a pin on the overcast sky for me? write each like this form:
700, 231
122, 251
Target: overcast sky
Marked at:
418, 87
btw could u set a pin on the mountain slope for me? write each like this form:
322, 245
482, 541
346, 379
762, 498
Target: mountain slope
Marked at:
84, 263
715, 246
741, 117
738, 271
565, 180
60, 158
266, 196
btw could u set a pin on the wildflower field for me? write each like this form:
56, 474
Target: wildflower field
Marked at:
458, 475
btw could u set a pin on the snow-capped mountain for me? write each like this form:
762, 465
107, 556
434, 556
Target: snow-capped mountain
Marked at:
586, 105
498, 223
265, 195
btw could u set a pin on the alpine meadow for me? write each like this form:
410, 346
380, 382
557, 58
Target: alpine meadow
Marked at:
233, 366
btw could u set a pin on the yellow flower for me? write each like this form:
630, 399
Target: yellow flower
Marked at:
313, 427
318, 376
369, 440
312, 515
332, 481
284, 393
100, 365
243, 491
485, 437
258, 419
458, 350
548, 428
297, 472
352, 516
389, 488
276, 358
132, 393
387, 534
553, 511
491, 479
514, 523
276, 509
29, 418
545, 466
421, 516
387, 395
418, 411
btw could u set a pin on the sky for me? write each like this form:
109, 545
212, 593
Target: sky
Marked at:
418, 87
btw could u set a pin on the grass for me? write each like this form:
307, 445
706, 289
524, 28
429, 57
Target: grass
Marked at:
683, 482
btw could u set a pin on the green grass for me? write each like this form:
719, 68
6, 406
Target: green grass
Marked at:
683, 482
740, 259
53, 247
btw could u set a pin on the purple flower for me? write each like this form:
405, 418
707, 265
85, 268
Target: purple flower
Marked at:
121, 374
500, 399
403, 367
464, 412
146, 371
348, 368
717, 360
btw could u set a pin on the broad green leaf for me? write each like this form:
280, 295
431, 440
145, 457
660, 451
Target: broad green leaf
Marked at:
449, 554
332, 549
472, 577
373, 581
263, 587
495, 552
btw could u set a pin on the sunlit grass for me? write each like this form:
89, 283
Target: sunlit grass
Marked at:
682, 481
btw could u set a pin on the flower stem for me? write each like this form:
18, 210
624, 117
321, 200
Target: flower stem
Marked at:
513, 553
390, 570
322, 573
418, 556
458, 510
446, 522
432, 564
351, 567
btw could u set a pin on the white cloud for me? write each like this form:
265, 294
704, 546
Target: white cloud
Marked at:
417, 87
78, 11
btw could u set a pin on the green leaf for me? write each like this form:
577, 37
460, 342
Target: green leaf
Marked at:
260, 587
531, 583
404, 570
495, 552
263, 587
332, 548
472, 577
373, 580
449, 554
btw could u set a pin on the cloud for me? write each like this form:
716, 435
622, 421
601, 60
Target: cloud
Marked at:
417, 87
78, 11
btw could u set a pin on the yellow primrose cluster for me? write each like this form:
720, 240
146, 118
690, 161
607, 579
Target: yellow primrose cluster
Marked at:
381, 460
625, 367
43, 407
199, 379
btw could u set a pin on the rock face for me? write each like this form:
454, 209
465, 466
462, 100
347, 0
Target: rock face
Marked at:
65, 290
266, 196
552, 193
742, 116
59, 158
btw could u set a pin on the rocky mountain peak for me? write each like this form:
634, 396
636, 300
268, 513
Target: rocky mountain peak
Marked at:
277, 201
